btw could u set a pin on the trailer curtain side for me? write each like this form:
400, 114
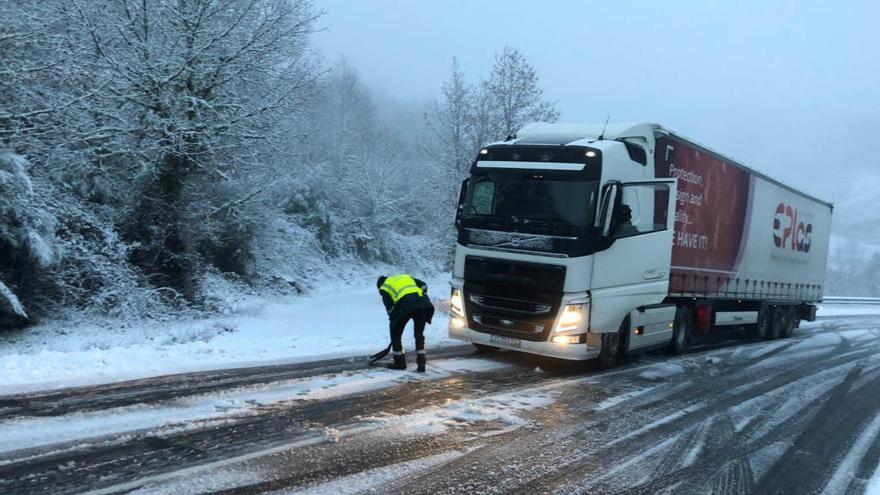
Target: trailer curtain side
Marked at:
738, 233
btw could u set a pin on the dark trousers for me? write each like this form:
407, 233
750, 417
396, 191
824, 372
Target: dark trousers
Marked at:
419, 318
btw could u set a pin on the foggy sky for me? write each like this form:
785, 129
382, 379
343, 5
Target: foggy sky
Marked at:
791, 89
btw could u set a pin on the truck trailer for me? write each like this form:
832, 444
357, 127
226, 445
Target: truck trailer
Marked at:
587, 242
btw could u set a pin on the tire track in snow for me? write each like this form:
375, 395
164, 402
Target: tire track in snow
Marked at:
578, 467
169, 387
827, 438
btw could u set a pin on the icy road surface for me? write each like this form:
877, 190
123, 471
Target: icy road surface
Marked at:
800, 415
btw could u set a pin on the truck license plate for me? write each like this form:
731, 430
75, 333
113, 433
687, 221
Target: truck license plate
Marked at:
498, 339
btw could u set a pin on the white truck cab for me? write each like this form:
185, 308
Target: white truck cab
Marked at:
564, 237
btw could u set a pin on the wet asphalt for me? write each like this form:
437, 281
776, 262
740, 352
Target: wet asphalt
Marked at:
796, 415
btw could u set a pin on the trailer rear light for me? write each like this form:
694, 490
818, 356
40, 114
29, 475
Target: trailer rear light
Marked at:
703, 318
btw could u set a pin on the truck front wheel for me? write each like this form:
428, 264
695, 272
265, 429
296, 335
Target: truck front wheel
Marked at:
681, 331
609, 350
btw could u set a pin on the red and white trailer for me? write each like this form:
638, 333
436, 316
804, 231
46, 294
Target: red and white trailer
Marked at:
740, 235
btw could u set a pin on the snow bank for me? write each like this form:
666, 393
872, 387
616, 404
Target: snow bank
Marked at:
832, 310
338, 321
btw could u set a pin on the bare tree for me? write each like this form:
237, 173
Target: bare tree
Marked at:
450, 122
513, 96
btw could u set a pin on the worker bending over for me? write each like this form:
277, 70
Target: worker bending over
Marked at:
406, 298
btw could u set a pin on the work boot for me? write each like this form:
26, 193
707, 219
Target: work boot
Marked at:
420, 362
399, 362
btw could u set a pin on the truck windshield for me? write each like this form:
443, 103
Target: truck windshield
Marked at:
530, 203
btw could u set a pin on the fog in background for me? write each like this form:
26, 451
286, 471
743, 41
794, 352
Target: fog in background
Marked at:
161, 159
788, 88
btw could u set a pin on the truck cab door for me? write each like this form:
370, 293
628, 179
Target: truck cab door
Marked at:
637, 221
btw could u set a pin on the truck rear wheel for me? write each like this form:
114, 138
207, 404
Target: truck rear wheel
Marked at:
761, 329
682, 327
777, 324
791, 322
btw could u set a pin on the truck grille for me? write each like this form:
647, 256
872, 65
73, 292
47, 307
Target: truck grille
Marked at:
511, 305
512, 298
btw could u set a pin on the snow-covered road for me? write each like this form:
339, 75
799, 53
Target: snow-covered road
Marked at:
788, 416
337, 321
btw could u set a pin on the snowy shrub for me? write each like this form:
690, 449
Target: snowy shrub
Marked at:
27, 240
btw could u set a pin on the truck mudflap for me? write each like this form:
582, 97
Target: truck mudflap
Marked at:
571, 352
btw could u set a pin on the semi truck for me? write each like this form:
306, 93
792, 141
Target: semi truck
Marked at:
587, 242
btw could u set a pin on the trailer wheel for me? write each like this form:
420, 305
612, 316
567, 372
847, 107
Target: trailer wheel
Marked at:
777, 325
682, 328
609, 350
485, 348
761, 329
791, 322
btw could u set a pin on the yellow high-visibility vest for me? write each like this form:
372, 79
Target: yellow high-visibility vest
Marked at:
398, 286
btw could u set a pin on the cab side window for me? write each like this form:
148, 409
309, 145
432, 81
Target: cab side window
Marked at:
642, 210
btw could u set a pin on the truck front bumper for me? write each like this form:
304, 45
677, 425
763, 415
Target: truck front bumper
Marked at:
572, 352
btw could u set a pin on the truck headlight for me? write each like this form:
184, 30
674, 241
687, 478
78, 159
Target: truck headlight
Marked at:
571, 319
456, 304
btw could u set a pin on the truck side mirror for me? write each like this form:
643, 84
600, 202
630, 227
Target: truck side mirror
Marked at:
462, 194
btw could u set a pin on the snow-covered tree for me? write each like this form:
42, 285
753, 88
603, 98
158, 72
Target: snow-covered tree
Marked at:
513, 95
451, 123
194, 91
27, 240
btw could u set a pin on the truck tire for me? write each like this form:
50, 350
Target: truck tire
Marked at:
777, 323
791, 322
485, 348
682, 328
609, 350
761, 329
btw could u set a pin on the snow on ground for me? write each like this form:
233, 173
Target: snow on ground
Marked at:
229, 477
340, 321
506, 409
617, 399
343, 320
846, 470
662, 370
194, 412
371, 481
831, 310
